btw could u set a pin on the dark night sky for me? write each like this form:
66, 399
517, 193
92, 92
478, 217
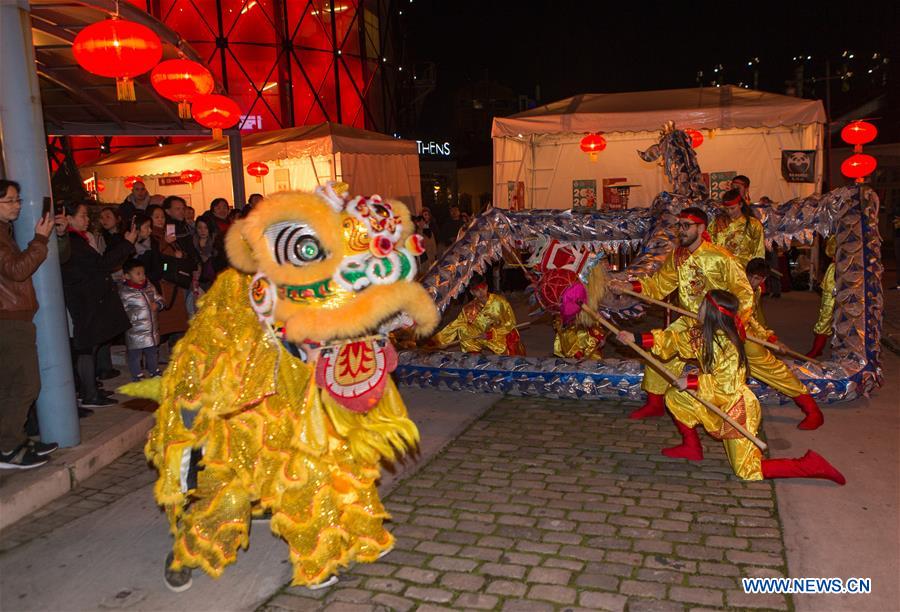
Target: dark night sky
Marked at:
581, 47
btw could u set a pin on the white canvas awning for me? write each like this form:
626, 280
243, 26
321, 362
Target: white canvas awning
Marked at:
702, 107
298, 158
537, 155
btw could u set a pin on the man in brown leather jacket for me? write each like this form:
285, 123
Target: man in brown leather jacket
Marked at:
20, 379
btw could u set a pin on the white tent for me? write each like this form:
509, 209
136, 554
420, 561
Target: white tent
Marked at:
298, 159
744, 132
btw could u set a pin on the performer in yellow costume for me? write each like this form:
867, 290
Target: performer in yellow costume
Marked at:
693, 268
279, 397
575, 341
822, 328
757, 273
486, 323
717, 343
737, 230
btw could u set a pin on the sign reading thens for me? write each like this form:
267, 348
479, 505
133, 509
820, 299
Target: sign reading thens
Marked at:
430, 147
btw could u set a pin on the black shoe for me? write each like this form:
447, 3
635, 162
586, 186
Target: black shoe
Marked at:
104, 393
107, 374
21, 458
40, 449
99, 402
84, 412
179, 581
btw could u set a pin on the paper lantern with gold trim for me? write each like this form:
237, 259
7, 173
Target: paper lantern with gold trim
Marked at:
593, 144
216, 112
181, 80
258, 169
118, 49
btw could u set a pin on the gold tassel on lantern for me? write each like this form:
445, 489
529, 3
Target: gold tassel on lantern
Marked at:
184, 110
125, 90
217, 134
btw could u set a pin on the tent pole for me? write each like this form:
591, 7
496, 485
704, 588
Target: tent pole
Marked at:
25, 160
236, 157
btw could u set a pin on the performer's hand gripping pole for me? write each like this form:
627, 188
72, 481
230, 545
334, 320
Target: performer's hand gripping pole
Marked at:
668, 375
769, 345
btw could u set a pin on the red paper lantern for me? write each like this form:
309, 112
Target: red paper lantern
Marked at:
191, 176
181, 81
695, 136
258, 169
118, 49
858, 133
593, 144
859, 166
216, 112
131, 180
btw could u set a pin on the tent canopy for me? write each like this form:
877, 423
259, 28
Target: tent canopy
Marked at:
303, 141
711, 108
299, 158
538, 162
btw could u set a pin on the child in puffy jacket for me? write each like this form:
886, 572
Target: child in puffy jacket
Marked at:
141, 302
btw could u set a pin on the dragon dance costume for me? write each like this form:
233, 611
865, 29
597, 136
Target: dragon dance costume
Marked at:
693, 274
279, 397
483, 326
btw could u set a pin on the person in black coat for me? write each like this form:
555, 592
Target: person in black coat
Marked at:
92, 298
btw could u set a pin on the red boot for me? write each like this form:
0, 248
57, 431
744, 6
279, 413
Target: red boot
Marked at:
810, 465
818, 345
655, 407
690, 447
814, 417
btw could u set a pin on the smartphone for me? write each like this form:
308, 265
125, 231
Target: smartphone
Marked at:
48, 204
170, 229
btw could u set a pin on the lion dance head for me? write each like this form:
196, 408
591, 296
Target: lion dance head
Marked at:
332, 277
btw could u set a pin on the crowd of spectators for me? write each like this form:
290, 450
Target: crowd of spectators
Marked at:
132, 275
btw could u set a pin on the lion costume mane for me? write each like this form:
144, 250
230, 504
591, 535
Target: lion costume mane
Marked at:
279, 397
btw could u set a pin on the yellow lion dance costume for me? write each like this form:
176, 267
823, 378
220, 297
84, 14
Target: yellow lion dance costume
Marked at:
279, 397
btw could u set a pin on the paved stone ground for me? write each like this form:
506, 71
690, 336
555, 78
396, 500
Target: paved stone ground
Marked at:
546, 504
128, 473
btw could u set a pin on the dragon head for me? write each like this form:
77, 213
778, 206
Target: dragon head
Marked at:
332, 276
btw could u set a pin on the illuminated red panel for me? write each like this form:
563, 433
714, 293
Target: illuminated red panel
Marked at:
254, 67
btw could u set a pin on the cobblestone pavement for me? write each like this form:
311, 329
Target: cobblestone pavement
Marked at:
128, 473
540, 505
546, 504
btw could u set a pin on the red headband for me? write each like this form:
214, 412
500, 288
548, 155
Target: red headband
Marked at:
691, 217
735, 202
698, 221
742, 332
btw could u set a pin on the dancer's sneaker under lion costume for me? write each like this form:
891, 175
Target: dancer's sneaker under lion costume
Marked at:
279, 397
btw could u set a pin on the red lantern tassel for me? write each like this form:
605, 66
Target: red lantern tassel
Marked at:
184, 110
125, 90
217, 134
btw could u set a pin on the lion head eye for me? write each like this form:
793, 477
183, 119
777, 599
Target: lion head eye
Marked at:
294, 243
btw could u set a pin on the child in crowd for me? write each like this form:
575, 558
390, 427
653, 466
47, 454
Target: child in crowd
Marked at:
717, 343
141, 302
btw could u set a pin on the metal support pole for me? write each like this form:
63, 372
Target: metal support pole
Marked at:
25, 156
236, 157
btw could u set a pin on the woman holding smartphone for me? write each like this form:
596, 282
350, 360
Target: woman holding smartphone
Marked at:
92, 298
163, 257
